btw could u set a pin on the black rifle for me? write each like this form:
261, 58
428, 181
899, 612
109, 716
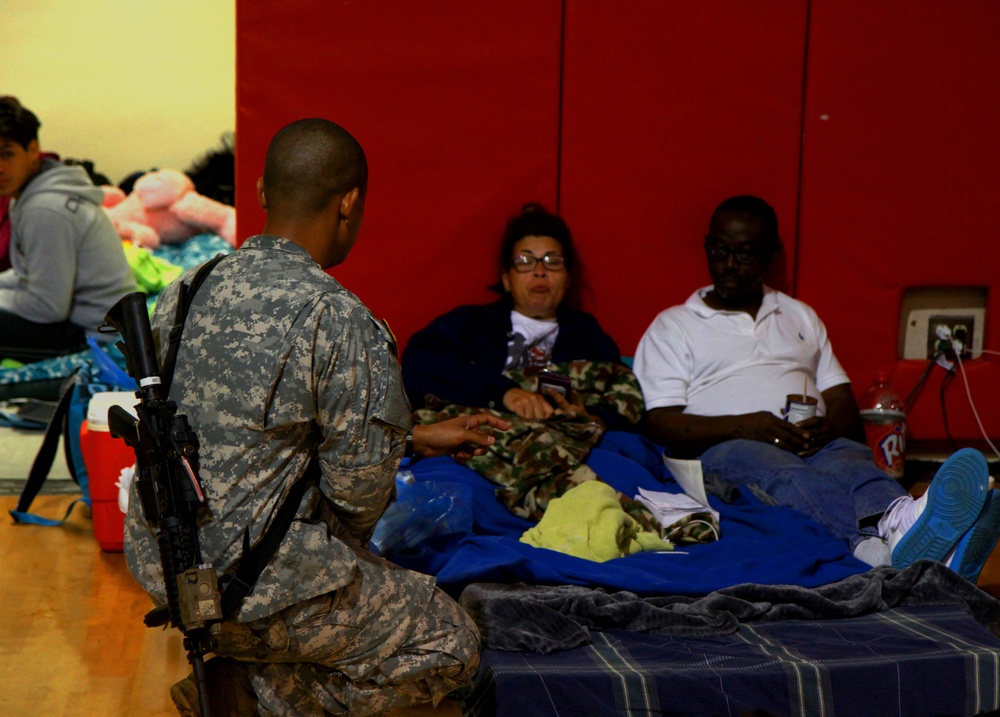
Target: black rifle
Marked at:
166, 451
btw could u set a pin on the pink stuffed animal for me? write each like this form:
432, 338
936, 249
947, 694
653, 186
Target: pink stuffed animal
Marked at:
164, 208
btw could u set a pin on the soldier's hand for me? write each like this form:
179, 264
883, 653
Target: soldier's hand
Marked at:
462, 437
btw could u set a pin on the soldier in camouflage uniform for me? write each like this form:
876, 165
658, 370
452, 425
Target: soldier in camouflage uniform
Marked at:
278, 365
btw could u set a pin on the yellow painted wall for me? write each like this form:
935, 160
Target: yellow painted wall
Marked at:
129, 84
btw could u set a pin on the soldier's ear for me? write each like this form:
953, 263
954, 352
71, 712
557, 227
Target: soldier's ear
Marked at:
261, 199
349, 203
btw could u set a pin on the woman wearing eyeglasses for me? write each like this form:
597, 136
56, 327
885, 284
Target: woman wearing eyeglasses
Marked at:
462, 356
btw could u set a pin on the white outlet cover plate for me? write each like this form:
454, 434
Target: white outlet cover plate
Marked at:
917, 325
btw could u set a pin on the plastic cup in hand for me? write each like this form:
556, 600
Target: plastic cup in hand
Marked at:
799, 408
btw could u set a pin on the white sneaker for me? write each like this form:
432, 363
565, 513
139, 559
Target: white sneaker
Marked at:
929, 527
899, 517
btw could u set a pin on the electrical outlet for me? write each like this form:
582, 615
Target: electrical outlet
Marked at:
920, 337
944, 331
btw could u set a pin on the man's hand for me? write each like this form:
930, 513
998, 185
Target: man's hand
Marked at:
764, 426
689, 435
527, 404
462, 437
816, 432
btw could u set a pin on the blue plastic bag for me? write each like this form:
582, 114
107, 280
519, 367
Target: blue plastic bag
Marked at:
422, 510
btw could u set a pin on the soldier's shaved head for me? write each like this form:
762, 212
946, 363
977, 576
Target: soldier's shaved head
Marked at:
308, 163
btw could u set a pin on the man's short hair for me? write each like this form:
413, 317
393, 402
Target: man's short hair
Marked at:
755, 207
17, 123
309, 162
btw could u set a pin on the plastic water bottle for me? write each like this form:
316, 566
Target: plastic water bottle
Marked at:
884, 417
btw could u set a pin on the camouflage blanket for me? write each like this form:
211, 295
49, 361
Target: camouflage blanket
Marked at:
535, 461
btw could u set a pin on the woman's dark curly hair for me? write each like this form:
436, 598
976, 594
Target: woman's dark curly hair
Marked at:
535, 220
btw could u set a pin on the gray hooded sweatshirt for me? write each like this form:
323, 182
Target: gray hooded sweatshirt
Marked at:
67, 260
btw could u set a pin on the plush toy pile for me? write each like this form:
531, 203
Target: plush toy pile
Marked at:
164, 208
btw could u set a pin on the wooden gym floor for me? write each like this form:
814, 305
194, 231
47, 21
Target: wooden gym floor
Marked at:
72, 640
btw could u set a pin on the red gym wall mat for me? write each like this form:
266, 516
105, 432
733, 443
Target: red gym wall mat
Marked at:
900, 182
635, 120
669, 108
456, 105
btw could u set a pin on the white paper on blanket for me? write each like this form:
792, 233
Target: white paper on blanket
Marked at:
669, 508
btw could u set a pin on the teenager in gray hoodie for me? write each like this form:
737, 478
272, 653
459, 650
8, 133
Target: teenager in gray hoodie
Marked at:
67, 263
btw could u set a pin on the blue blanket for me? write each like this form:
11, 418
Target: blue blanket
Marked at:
760, 543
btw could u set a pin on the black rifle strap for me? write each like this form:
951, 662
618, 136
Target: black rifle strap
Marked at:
184, 298
254, 560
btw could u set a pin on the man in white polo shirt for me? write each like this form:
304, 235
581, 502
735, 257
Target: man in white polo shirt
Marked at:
715, 373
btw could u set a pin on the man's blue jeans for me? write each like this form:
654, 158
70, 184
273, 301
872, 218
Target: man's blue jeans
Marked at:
837, 487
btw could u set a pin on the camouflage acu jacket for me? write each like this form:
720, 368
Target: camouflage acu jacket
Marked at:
278, 362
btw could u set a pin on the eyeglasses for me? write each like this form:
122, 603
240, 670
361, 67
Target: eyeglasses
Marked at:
524, 262
717, 251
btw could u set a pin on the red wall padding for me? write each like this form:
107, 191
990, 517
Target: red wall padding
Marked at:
669, 108
635, 120
900, 184
456, 105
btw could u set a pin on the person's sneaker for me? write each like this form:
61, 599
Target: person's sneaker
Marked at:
929, 527
229, 691
975, 547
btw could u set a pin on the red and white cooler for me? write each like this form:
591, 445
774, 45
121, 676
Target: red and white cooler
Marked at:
105, 457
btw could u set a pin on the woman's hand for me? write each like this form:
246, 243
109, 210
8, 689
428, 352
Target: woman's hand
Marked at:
571, 409
527, 404
462, 437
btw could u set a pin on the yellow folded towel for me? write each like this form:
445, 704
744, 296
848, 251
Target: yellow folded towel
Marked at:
587, 521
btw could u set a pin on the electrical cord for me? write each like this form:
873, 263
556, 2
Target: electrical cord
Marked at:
972, 405
912, 398
945, 382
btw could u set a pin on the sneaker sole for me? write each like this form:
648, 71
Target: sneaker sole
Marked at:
955, 499
976, 546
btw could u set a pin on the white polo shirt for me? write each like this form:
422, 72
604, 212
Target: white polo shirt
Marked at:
717, 362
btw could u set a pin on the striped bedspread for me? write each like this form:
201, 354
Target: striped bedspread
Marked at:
912, 660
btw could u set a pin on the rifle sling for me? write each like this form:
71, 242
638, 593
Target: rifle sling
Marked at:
184, 298
254, 559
